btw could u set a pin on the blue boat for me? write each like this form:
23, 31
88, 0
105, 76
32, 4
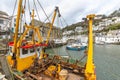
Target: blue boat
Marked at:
76, 46
76, 49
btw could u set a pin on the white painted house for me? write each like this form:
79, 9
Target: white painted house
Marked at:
112, 37
4, 20
13, 25
99, 16
79, 29
68, 32
116, 19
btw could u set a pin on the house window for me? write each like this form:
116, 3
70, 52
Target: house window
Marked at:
1, 21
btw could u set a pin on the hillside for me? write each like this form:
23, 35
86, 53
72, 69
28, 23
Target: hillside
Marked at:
72, 27
82, 24
115, 13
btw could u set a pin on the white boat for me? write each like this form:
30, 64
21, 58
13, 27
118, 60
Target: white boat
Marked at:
76, 46
107, 40
100, 42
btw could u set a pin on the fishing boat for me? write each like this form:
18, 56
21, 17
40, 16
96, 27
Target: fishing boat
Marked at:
76, 46
26, 64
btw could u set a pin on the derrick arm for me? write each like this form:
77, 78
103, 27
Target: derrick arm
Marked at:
21, 38
90, 68
39, 36
51, 25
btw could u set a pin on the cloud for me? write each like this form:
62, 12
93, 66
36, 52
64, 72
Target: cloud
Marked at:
73, 11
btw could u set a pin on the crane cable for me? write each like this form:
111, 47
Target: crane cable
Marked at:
47, 18
36, 9
53, 48
64, 21
29, 10
66, 50
24, 7
43, 10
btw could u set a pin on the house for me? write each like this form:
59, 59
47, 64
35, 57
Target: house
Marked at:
114, 33
95, 28
116, 19
98, 16
4, 21
44, 29
68, 32
13, 25
79, 29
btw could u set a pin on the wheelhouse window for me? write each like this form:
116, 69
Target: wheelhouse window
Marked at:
38, 49
10, 49
24, 51
32, 50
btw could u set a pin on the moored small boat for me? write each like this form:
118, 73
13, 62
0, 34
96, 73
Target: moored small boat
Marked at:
76, 46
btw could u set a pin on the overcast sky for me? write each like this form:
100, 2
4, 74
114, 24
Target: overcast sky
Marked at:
71, 10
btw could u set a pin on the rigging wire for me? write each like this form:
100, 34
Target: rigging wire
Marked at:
14, 7
44, 13
57, 32
43, 10
47, 18
60, 36
67, 50
64, 21
36, 9
24, 11
29, 10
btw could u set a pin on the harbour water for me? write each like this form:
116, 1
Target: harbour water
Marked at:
106, 58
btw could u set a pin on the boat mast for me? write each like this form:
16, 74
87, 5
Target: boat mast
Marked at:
90, 68
16, 29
